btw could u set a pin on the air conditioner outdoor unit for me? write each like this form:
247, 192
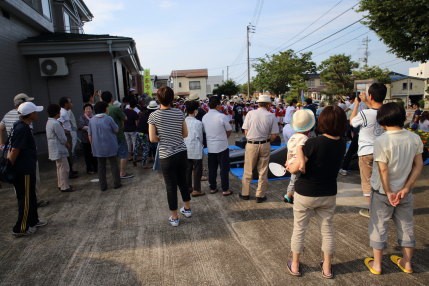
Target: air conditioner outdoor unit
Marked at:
53, 66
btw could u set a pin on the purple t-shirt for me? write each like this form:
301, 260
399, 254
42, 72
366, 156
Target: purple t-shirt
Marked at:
130, 123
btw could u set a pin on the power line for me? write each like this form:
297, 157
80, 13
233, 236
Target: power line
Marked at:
330, 21
333, 34
336, 39
344, 43
306, 28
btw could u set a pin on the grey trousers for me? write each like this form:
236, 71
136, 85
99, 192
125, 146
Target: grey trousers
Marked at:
114, 167
194, 171
381, 211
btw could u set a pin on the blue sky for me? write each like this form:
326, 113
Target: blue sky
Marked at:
188, 34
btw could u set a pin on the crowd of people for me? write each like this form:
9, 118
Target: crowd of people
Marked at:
173, 132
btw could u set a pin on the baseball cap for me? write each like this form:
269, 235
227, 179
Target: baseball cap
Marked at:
29, 107
22, 97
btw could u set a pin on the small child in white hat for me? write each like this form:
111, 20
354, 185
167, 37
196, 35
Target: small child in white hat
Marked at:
302, 122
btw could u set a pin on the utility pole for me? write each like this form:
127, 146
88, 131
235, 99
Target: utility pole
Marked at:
227, 73
365, 42
250, 29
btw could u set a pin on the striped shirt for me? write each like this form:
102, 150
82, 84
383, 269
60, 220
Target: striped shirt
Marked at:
9, 119
168, 123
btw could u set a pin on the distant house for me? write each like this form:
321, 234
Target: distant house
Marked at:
45, 54
315, 87
421, 71
186, 82
213, 82
160, 80
410, 89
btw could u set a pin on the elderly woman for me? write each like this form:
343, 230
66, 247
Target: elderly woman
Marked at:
316, 189
57, 146
90, 160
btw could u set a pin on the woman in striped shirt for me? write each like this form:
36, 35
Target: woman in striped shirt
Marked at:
168, 127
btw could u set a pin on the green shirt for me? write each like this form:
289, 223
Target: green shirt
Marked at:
118, 116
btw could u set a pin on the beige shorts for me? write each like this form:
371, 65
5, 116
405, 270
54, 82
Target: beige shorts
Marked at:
365, 167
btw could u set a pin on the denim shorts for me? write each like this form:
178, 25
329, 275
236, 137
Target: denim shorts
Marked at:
122, 150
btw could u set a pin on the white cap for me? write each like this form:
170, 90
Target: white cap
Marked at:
264, 98
29, 107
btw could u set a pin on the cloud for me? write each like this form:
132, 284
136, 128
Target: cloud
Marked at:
166, 4
103, 12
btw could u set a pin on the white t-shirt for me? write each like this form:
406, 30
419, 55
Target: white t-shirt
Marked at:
216, 125
369, 130
298, 139
361, 107
342, 105
424, 126
398, 149
65, 120
290, 110
288, 132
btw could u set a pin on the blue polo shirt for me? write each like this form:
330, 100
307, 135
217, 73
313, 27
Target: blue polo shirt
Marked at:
102, 129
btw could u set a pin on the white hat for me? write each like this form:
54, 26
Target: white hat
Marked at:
28, 108
116, 103
194, 96
264, 98
152, 105
303, 120
21, 97
132, 89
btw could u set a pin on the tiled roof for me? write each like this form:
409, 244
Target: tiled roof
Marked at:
190, 73
70, 37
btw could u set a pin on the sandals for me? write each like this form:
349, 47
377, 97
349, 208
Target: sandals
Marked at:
213, 191
366, 261
228, 193
330, 276
289, 267
395, 259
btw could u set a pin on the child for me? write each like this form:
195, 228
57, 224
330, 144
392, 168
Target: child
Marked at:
398, 158
302, 122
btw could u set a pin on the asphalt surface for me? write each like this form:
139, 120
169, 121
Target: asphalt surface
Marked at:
122, 237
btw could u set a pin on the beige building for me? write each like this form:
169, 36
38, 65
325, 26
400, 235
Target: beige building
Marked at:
315, 87
186, 82
421, 71
408, 88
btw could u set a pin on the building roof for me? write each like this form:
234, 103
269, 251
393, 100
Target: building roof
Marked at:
70, 37
398, 76
73, 43
190, 73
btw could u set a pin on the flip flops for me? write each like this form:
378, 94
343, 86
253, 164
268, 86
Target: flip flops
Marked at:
289, 267
330, 276
213, 191
367, 261
395, 259
228, 193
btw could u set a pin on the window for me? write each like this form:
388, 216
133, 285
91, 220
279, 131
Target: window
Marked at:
311, 83
180, 84
411, 85
216, 85
193, 85
67, 23
87, 86
43, 7
404, 86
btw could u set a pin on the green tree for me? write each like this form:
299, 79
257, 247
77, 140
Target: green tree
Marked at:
297, 84
243, 88
374, 72
336, 72
275, 73
402, 25
228, 88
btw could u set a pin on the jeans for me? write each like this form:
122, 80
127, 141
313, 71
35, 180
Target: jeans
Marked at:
219, 159
174, 172
194, 167
114, 167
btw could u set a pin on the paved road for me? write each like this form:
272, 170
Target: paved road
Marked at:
122, 237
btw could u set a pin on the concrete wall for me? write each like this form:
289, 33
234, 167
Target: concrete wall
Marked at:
419, 87
14, 77
48, 90
421, 71
212, 80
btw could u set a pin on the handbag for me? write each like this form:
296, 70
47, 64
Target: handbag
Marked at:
6, 173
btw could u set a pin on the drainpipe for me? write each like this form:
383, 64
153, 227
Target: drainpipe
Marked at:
109, 43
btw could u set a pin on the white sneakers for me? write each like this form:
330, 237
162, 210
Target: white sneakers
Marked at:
183, 211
